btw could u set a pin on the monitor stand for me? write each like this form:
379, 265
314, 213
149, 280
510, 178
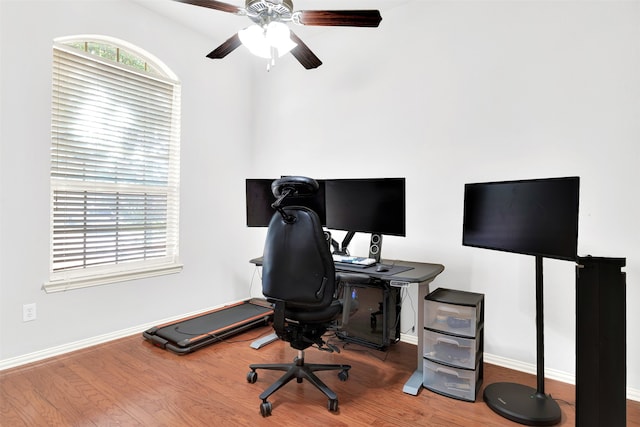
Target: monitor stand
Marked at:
520, 403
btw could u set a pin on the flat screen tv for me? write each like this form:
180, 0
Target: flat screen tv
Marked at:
370, 205
534, 217
259, 198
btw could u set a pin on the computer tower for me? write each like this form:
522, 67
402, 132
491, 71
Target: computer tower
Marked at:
371, 316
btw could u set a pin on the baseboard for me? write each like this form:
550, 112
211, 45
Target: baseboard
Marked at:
553, 374
90, 342
68, 348
409, 339
529, 368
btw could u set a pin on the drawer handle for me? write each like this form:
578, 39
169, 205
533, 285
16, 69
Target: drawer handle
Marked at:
448, 310
447, 371
447, 341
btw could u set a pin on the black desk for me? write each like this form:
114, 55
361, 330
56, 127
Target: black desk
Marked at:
420, 274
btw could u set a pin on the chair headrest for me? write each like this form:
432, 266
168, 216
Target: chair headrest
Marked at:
296, 185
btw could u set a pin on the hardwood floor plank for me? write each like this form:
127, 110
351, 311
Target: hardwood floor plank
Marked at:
33, 409
131, 382
75, 398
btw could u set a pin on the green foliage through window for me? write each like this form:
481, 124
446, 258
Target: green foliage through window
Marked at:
116, 54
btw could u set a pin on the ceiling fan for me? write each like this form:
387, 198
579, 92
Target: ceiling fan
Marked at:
270, 37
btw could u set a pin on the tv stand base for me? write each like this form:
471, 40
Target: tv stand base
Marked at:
522, 404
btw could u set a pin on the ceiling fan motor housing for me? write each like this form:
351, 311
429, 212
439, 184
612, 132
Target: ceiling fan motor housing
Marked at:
264, 11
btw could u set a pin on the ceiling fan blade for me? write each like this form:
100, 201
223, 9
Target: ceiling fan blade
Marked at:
347, 18
303, 54
217, 5
225, 48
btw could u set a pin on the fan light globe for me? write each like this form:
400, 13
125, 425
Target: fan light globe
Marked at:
260, 41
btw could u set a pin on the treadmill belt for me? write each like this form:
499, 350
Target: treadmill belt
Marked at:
187, 335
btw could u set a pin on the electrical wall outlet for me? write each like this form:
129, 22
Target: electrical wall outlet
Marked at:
29, 312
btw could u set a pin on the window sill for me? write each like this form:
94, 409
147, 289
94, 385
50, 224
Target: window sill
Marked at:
67, 284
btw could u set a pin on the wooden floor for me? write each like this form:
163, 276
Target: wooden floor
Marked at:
129, 382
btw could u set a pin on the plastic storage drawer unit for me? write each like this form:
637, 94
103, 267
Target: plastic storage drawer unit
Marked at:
453, 343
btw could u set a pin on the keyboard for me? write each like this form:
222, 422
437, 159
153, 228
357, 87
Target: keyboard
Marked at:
347, 259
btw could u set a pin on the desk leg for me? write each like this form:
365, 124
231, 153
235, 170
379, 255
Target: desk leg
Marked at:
414, 384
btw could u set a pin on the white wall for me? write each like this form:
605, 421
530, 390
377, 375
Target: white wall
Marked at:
452, 92
443, 93
214, 152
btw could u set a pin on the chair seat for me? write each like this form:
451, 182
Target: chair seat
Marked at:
324, 315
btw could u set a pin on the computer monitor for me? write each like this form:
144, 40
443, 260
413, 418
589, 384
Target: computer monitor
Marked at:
535, 217
370, 205
259, 198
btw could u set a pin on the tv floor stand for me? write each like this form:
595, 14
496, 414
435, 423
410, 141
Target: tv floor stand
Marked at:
520, 403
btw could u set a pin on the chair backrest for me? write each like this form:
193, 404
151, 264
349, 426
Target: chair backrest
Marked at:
297, 266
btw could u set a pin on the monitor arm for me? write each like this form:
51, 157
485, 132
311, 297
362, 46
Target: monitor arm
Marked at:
335, 245
342, 248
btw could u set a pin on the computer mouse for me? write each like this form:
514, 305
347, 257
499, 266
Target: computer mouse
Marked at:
382, 267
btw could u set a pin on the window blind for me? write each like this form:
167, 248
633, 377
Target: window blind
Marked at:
114, 172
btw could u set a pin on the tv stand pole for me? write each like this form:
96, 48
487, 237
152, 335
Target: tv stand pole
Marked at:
520, 403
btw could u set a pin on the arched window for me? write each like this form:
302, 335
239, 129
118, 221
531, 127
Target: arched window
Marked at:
115, 154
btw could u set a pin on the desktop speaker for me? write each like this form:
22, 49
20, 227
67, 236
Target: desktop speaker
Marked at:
375, 246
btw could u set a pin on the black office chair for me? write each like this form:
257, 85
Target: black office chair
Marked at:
299, 278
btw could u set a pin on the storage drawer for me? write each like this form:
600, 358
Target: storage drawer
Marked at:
460, 383
452, 316
453, 350
455, 319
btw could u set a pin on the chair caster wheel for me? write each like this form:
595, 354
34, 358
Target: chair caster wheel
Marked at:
343, 375
252, 377
333, 405
265, 408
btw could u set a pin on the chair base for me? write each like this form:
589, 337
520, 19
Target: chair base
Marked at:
299, 371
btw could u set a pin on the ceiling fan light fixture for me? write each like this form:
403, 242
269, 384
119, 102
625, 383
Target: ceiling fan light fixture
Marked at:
261, 41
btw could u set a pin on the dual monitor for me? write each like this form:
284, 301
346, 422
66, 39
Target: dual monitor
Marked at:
368, 205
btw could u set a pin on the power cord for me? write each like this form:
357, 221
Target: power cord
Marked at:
256, 272
405, 294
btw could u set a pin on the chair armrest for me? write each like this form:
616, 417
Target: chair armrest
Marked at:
278, 316
353, 278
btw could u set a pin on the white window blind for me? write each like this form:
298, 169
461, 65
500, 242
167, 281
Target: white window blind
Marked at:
114, 172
